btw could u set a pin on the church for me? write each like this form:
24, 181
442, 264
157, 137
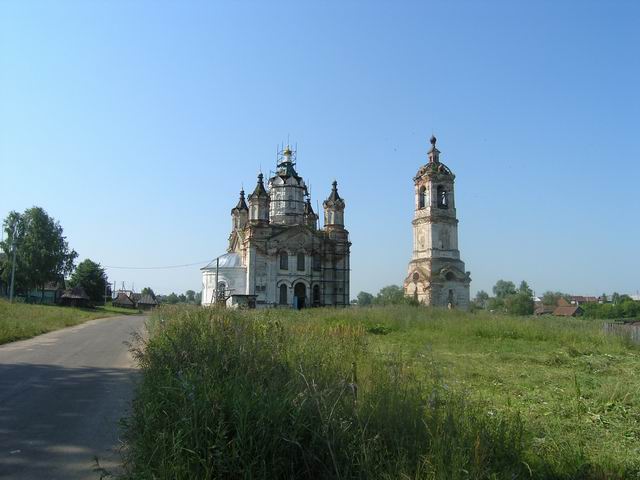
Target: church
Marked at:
436, 274
277, 254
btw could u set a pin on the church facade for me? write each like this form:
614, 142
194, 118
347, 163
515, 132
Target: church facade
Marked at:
436, 274
277, 254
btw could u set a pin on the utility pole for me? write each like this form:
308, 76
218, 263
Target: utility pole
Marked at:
13, 268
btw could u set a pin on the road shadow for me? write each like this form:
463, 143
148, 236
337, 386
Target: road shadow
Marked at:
55, 421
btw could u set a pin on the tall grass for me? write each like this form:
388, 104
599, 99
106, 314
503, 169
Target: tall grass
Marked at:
271, 395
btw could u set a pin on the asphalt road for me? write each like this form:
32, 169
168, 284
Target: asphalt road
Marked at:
61, 397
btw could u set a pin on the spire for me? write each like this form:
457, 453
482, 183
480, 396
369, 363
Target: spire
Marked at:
434, 153
242, 205
259, 190
308, 209
334, 209
333, 196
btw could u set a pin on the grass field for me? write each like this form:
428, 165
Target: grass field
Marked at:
383, 393
19, 321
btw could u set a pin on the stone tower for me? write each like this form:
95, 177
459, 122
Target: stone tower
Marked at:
436, 274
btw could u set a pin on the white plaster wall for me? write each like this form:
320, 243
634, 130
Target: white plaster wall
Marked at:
234, 278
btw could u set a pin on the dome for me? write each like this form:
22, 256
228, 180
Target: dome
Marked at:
228, 260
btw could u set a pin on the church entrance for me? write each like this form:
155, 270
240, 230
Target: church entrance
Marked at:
299, 295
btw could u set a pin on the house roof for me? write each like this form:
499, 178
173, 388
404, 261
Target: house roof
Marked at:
76, 293
581, 298
123, 299
147, 300
544, 309
567, 311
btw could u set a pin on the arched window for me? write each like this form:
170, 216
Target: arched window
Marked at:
422, 197
443, 197
301, 262
284, 261
221, 292
283, 294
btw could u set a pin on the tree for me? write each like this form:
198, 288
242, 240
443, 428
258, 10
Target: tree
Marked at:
191, 296
198, 298
519, 304
481, 299
182, 298
525, 289
42, 251
92, 278
172, 298
390, 295
148, 291
503, 288
551, 298
364, 299
615, 298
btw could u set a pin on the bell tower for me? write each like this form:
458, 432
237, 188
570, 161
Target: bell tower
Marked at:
436, 274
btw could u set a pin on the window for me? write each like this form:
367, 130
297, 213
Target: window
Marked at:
443, 197
283, 294
316, 262
301, 262
221, 292
316, 295
422, 197
284, 261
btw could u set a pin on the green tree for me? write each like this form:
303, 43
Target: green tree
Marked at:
148, 291
42, 251
519, 304
525, 289
481, 299
390, 295
191, 296
172, 299
92, 278
182, 298
504, 288
364, 299
615, 298
495, 304
198, 298
551, 298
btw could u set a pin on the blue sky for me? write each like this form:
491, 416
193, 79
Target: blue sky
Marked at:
135, 124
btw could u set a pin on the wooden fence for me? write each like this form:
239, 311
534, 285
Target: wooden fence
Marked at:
631, 331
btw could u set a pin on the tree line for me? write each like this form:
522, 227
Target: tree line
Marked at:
43, 256
507, 298
189, 297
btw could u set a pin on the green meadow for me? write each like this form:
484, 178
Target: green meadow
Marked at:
388, 392
19, 321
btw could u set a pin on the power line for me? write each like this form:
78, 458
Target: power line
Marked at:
160, 268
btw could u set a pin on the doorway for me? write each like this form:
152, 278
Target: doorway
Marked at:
300, 295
